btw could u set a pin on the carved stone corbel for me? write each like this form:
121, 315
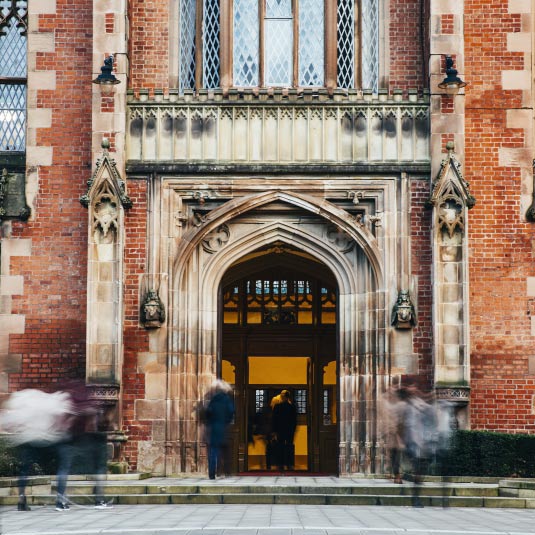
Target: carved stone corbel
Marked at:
403, 313
152, 311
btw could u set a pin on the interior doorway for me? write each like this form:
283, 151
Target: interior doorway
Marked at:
278, 317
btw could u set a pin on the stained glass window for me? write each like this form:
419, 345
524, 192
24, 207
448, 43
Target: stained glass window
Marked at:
13, 27
279, 301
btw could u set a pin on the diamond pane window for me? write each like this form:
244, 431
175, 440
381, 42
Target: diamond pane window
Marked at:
278, 9
12, 117
346, 44
246, 43
278, 52
13, 25
13, 50
370, 44
311, 42
211, 44
187, 45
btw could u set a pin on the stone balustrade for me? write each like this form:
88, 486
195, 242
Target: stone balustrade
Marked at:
278, 128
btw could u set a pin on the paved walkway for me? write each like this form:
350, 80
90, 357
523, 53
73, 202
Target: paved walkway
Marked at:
266, 520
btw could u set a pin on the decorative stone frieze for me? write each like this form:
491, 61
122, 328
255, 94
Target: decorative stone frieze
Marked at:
288, 132
457, 394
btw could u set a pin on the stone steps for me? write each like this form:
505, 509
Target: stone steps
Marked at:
132, 491
289, 499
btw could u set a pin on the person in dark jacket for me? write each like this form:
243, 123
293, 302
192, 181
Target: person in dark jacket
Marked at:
218, 416
284, 423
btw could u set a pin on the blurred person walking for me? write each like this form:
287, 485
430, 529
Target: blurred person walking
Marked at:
418, 435
392, 419
36, 420
218, 416
284, 424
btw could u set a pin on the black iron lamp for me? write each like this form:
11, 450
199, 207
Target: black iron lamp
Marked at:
452, 81
106, 77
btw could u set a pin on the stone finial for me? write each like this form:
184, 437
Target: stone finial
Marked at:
450, 146
105, 144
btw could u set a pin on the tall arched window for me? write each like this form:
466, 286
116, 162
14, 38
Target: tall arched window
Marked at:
279, 43
13, 27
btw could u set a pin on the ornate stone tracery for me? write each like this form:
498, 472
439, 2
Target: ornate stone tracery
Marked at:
106, 200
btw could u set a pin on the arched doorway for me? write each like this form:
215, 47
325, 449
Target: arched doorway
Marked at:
278, 318
327, 243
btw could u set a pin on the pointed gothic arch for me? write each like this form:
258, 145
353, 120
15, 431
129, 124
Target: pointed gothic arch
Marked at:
203, 256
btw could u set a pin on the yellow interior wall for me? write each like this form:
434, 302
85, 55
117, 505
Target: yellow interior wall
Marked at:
278, 370
228, 372
329, 373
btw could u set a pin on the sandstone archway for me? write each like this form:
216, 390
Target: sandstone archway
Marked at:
234, 230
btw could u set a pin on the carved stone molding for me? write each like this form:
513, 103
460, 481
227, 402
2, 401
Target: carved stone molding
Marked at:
340, 239
152, 311
450, 183
216, 239
13, 196
114, 178
403, 313
105, 394
459, 394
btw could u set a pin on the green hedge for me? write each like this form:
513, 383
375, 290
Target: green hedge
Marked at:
45, 459
484, 453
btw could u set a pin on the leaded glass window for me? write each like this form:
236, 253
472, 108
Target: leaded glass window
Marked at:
280, 30
246, 43
346, 43
311, 43
279, 301
13, 28
370, 44
211, 44
278, 46
187, 44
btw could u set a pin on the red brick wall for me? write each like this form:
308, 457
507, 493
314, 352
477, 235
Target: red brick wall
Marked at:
500, 240
149, 44
408, 59
54, 300
135, 337
421, 259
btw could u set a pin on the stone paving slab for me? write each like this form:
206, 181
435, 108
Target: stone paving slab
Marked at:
267, 520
